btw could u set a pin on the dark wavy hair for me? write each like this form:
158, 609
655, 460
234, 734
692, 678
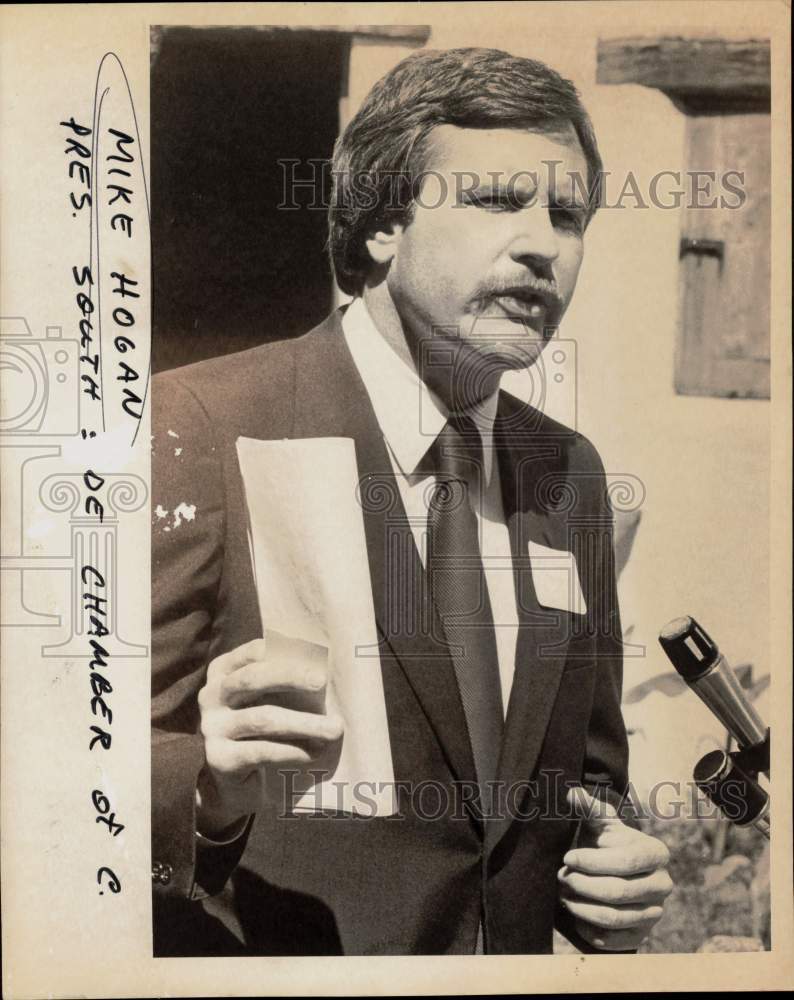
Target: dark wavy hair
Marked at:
379, 158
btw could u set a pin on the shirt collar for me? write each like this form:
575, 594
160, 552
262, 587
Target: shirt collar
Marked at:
409, 414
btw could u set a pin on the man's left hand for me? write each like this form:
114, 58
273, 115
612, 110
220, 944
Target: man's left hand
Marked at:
614, 882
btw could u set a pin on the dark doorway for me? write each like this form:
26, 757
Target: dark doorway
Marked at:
230, 269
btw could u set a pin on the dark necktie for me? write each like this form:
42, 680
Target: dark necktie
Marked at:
459, 591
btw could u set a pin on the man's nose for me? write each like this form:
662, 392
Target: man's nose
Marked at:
535, 238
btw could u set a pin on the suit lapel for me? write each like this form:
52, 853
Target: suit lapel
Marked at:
528, 460
331, 401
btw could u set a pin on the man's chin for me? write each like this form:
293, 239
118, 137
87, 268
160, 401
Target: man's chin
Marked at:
478, 367
516, 357
511, 344
477, 357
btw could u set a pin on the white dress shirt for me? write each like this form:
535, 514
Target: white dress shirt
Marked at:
410, 417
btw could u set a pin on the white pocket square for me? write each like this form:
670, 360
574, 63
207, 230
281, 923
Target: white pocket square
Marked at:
556, 579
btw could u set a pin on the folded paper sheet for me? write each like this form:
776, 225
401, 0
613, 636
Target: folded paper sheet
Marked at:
313, 585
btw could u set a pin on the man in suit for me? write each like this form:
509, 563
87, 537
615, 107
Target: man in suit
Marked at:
457, 225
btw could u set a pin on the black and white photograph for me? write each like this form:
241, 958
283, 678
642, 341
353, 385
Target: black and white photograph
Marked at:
396, 498
371, 741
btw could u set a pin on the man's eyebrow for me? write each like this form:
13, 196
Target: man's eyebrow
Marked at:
526, 188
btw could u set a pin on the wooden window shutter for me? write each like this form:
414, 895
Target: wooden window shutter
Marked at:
723, 87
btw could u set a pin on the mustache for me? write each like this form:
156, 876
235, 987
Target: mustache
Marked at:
526, 289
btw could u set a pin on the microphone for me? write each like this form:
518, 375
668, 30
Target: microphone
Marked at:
728, 779
695, 656
732, 790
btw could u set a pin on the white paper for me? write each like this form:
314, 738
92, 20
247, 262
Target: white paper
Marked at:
556, 579
315, 597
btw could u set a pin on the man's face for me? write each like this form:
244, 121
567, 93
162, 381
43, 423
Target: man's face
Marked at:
493, 248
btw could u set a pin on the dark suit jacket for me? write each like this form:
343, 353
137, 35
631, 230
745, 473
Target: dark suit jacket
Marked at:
403, 884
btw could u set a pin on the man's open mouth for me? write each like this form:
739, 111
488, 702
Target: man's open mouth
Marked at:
527, 304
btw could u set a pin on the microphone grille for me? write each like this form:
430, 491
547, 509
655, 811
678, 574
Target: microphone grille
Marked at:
688, 647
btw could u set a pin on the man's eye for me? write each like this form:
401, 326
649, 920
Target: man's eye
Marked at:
567, 218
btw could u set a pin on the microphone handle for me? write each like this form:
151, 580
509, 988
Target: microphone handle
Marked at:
721, 692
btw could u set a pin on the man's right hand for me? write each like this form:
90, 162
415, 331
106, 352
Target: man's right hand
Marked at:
251, 734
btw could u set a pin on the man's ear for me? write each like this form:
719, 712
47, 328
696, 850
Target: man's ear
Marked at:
383, 243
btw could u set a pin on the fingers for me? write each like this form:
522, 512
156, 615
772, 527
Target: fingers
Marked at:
652, 888
614, 884
245, 676
608, 917
236, 758
257, 679
610, 940
593, 811
620, 851
263, 713
238, 657
272, 722
617, 860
